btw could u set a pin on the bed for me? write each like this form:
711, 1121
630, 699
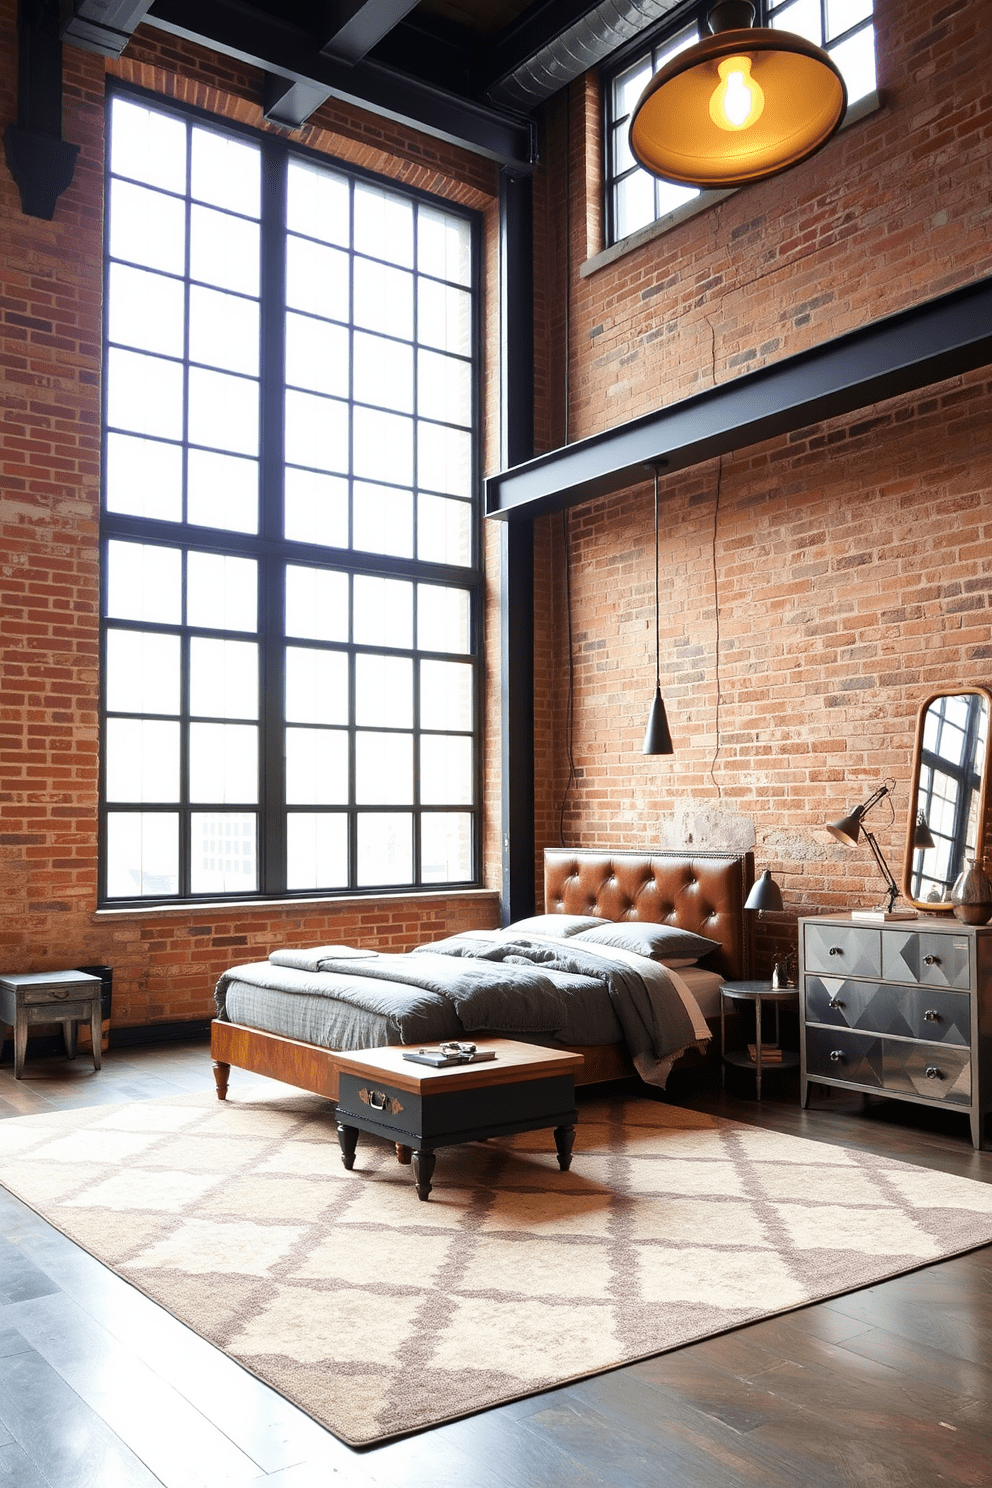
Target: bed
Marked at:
697, 893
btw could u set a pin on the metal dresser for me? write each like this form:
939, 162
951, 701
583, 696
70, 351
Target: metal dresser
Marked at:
902, 1009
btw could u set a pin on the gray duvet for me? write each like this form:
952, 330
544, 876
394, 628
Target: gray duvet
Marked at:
465, 985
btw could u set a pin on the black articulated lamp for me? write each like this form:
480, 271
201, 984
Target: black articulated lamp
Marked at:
740, 106
657, 738
765, 893
847, 830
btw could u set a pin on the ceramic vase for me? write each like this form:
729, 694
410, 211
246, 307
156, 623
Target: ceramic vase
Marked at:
971, 896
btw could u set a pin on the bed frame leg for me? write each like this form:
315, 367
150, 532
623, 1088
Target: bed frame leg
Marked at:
222, 1073
404, 1155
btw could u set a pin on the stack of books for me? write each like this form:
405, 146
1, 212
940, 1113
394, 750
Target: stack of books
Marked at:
770, 1053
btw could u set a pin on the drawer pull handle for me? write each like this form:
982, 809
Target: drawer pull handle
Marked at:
931, 960
933, 1073
378, 1100
835, 1002
931, 1015
836, 951
836, 1055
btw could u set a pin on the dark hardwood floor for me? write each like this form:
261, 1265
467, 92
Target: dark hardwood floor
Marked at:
885, 1388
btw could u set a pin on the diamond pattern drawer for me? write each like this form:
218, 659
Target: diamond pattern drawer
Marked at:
843, 950
933, 1072
880, 1007
936, 960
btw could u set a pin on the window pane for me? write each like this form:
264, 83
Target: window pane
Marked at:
225, 172
383, 612
316, 767
446, 695
144, 477
316, 850
316, 686
444, 245
317, 203
223, 411
316, 431
142, 672
383, 769
444, 317
856, 60
383, 372
383, 520
147, 227
142, 760
147, 145
446, 847
223, 250
383, 446
144, 310
668, 196
623, 159
316, 603
444, 459
144, 582
142, 854
144, 394
444, 530
383, 224
629, 86
383, 299
385, 848
222, 491
633, 203
802, 17
316, 508
444, 388
223, 330
383, 691
317, 279
445, 770
223, 855
442, 618
223, 762
316, 355
843, 14
223, 678
221, 592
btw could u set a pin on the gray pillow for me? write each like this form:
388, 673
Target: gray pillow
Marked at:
553, 924
661, 942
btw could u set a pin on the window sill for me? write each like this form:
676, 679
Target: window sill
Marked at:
196, 907
701, 203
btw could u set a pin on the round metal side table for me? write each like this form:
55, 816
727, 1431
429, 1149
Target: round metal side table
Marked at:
758, 993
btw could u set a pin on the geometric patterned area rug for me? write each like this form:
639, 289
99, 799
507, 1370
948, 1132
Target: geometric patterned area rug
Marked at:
379, 1315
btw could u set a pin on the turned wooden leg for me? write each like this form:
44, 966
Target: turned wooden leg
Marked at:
403, 1154
222, 1073
564, 1138
347, 1141
423, 1167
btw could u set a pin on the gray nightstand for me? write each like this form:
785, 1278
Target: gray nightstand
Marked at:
758, 993
66, 997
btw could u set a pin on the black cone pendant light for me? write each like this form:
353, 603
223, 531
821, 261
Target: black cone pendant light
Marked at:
657, 738
742, 105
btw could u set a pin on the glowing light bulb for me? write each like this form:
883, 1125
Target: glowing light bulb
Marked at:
738, 101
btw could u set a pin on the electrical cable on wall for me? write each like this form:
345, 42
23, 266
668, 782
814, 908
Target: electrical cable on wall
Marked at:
716, 642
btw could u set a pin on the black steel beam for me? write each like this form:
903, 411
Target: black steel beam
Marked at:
517, 550
276, 46
39, 159
290, 103
103, 26
352, 27
898, 354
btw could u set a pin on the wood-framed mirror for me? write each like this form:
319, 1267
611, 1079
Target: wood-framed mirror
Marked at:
948, 792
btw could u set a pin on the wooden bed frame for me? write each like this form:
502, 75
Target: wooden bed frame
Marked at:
702, 891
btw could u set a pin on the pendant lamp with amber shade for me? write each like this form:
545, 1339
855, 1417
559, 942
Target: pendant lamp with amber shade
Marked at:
742, 105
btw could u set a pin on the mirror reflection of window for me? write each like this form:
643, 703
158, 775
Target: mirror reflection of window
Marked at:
955, 733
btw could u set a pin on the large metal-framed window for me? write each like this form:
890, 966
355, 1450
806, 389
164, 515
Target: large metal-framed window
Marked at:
291, 578
634, 198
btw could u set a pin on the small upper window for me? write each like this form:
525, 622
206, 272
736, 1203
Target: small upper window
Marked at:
634, 198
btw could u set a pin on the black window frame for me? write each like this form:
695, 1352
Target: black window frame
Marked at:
274, 553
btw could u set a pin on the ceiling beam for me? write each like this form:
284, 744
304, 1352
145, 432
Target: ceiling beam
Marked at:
352, 27
103, 26
277, 47
900, 354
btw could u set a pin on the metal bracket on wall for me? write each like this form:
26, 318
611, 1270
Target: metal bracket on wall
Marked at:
38, 158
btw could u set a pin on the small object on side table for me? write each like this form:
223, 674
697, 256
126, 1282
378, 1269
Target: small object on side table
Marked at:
66, 997
422, 1107
758, 993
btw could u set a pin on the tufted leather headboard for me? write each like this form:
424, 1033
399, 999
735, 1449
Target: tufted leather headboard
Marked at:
700, 891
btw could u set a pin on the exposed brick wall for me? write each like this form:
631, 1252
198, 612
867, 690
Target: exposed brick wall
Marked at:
817, 588
165, 961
